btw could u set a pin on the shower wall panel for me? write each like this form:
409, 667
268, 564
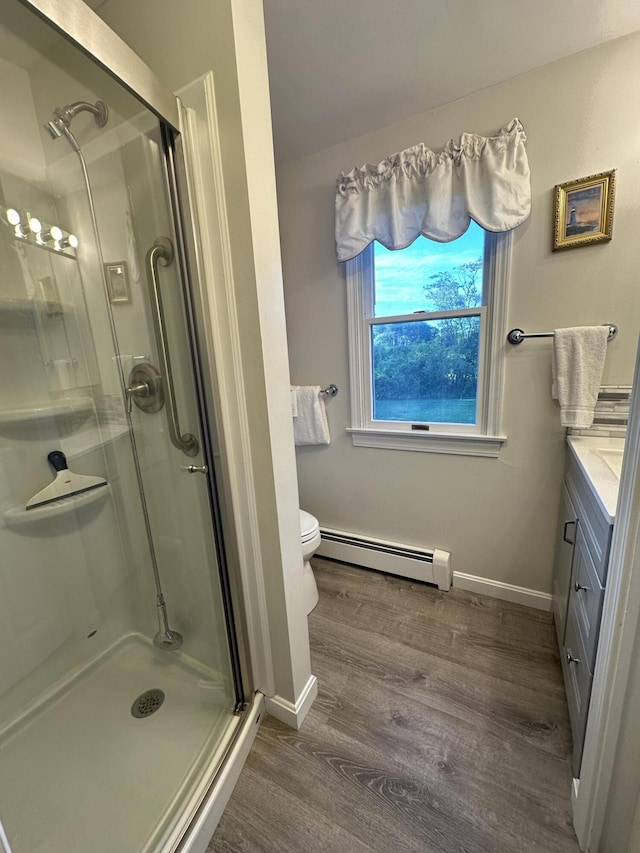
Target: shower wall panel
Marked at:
66, 583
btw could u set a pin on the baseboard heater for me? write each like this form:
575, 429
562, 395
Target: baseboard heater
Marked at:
404, 560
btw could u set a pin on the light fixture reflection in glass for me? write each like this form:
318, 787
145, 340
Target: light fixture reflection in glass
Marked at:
70, 241
14, 218
54, 234
35, 226
33, 230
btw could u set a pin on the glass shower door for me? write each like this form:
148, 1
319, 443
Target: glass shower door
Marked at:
119, 683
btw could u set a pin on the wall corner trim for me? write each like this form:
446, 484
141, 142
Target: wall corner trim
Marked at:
504, 591
288, 713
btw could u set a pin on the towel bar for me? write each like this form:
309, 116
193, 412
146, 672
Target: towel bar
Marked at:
516, 336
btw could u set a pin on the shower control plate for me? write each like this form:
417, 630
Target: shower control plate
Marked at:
145, 388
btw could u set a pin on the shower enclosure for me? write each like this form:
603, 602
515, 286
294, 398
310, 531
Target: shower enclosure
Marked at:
120, 679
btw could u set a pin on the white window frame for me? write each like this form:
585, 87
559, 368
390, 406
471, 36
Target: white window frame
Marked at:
483, 439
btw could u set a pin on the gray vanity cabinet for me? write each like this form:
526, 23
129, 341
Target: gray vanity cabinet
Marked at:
582, 555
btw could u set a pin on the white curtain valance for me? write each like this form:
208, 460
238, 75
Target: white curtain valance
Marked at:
419, 192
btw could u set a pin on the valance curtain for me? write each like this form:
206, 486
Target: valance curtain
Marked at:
419, 192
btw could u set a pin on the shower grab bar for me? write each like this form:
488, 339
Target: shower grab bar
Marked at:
162, 252
516, 336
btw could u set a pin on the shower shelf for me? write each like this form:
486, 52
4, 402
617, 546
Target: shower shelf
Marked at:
16, 516
66, 408
93, 438
28, 307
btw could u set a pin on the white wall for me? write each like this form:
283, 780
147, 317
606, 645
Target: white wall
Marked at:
495, 516
20, 149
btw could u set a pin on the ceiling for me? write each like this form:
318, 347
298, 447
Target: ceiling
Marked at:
341, 68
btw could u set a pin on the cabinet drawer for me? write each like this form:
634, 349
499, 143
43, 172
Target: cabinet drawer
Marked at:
577, 680
586, 596
595, 526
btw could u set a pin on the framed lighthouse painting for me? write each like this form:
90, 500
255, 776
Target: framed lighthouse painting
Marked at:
584, 211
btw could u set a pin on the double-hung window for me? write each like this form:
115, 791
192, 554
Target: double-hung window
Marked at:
426, 344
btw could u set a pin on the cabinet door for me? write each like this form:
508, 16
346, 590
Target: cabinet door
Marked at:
586, 596
577, 681
565, 541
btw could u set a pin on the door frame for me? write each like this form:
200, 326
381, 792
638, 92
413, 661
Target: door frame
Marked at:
617, 652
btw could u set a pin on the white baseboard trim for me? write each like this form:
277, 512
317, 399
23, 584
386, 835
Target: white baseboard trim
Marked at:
198, 836
505, 591
288, 713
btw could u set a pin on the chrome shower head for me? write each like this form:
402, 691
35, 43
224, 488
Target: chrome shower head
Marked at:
65, 115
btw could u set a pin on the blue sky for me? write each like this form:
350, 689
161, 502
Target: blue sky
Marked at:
401, 275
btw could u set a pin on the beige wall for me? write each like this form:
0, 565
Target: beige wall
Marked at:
496, 516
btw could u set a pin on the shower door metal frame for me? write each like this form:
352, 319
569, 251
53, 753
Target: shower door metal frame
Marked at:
77, 23
203, 378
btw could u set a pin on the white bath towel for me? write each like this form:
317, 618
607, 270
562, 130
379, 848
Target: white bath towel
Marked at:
310, 425
578, 361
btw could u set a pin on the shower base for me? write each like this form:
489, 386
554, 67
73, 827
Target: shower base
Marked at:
80, 773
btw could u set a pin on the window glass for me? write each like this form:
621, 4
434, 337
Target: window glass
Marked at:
421, 277
426, 369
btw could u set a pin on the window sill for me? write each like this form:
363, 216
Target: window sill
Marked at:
458, 444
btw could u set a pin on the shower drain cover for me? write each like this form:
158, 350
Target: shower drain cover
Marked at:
147, 703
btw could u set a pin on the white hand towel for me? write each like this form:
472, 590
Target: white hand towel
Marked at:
310, 426
578, 361
294, 402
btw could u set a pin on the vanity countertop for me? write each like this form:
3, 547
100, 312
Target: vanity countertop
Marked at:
600, 459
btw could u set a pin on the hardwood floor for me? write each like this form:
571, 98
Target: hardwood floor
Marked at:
440, 725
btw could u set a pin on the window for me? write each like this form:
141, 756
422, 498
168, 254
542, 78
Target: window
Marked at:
426, 342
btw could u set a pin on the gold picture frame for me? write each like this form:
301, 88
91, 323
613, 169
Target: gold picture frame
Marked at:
117, 278
584, 211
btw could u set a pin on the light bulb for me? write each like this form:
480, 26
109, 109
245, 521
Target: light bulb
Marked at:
56, 233
35, 226
69, 241
17, 220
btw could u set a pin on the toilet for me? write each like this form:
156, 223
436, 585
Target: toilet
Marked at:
310, 535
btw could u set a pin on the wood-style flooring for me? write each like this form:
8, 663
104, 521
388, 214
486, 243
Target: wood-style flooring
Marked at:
440, 725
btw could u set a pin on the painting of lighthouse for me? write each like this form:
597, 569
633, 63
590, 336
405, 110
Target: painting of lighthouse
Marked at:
584, 211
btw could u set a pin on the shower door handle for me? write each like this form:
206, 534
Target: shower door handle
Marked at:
162, 252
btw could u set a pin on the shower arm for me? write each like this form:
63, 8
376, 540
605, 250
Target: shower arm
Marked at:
66, 114
162, 252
